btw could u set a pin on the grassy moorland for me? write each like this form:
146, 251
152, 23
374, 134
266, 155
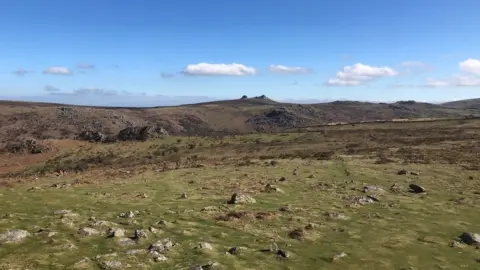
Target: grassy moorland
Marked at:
176, 189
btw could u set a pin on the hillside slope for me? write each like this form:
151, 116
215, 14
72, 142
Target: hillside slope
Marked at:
464, 104
40, 120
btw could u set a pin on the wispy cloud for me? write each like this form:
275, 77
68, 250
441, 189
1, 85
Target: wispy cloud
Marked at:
167, 75
20, 72
207, 69
85, 66
49, 88
280, 69
57, 71
359, 74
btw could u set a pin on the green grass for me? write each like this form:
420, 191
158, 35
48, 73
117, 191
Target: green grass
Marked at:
401, 231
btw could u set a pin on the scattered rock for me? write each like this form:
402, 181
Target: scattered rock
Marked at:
129, 214
153, 230
396, 188
298, 234
142, 196
163, 222
14, 236
283, 179
160, 258
233, 251
139, 234
112, 265
126, 241
135, 251
102, 223
86, 231
295, 171
310, 226
51, 234
283, 253
239, 198
82, 263
470, 238
373, 189
116, 232
272, 188
402, 172
196, 267
415, 173
335, 215
204, 245
211, 265
311, 176
161, 245
183, 196
361, 200
339, 256
416, 188
470, 177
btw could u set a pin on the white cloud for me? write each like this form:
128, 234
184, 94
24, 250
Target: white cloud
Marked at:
57, 71
280, 69
471, 66
470, 76
457, 80
206, 69
360, 73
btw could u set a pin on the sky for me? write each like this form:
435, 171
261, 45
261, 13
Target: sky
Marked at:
161, 52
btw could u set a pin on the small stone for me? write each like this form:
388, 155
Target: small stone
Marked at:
272, 188
470, 238
373, 189
160, 258
196, 267
339, 256
283, 179
153, 230
161, 245
298, 234
163, 222
183, 196
142, 196
112, 265
233, 250
87, 231
51, 234
311, 176
141, 234
116, 232
135, 251
285, 208
295, 171
402, 172
126, 241
310, 226
14, 236
129, 214
204, 245
415, 173
283, 253
416, 188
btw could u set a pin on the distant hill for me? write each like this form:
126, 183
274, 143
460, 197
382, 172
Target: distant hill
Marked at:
464, 104
243, 115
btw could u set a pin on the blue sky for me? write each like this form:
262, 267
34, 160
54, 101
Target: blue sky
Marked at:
144, 51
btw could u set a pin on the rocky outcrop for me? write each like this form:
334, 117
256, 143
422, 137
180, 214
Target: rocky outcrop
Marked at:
141, 133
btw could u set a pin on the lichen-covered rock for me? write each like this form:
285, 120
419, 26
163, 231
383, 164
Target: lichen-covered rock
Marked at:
240, 198
14, 236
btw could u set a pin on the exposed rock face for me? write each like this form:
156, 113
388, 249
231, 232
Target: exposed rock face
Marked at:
140, 133
279, 117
